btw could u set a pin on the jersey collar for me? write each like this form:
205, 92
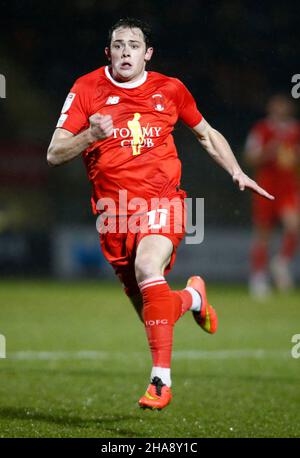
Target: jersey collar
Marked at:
126, 85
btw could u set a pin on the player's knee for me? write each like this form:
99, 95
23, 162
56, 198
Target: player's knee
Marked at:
292, 226
262, 235
146, 266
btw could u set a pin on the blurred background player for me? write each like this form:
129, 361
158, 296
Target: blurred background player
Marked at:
273, 150
121, 118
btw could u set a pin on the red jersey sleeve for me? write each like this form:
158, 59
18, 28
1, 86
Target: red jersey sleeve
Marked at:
75, 111
187, 108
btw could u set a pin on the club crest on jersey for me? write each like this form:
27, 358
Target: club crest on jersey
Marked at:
112, 100
158, 102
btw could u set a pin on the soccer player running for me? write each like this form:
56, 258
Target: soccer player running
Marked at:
273, 150
120, 118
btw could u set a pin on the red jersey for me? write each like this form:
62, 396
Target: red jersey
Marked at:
140, 157
280, 142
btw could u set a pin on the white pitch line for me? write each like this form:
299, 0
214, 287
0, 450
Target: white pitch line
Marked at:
177, 355
231, 354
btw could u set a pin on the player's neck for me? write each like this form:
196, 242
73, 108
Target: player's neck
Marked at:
280, 121
135, 82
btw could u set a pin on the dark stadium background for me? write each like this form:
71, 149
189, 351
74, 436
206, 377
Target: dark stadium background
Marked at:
74, 358
231, 55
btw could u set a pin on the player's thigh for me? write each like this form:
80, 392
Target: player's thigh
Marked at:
153, 254
263, 214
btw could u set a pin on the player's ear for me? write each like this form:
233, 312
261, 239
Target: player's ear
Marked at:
107, 53
148, 54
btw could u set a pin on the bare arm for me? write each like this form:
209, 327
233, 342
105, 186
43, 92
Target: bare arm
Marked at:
218, 148
65, 146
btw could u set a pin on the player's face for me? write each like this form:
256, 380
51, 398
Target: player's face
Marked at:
280, 108
128, 54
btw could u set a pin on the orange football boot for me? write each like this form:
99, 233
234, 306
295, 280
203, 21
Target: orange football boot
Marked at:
207, 317
157, 395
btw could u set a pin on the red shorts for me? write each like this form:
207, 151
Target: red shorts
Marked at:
119, 243
266, 212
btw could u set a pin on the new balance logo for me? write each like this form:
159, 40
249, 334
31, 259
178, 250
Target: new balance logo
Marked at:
112, 100
156, 322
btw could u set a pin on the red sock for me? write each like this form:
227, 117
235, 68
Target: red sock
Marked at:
162, 308
259, 256
183, 301
289, 245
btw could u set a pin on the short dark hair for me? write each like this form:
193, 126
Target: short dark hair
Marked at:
132, 23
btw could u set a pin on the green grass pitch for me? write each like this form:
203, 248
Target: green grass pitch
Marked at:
77, 363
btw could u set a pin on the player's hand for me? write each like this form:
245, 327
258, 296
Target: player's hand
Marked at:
243, 181
101, 126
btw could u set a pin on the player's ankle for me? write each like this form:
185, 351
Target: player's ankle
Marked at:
196, 299
164, 373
